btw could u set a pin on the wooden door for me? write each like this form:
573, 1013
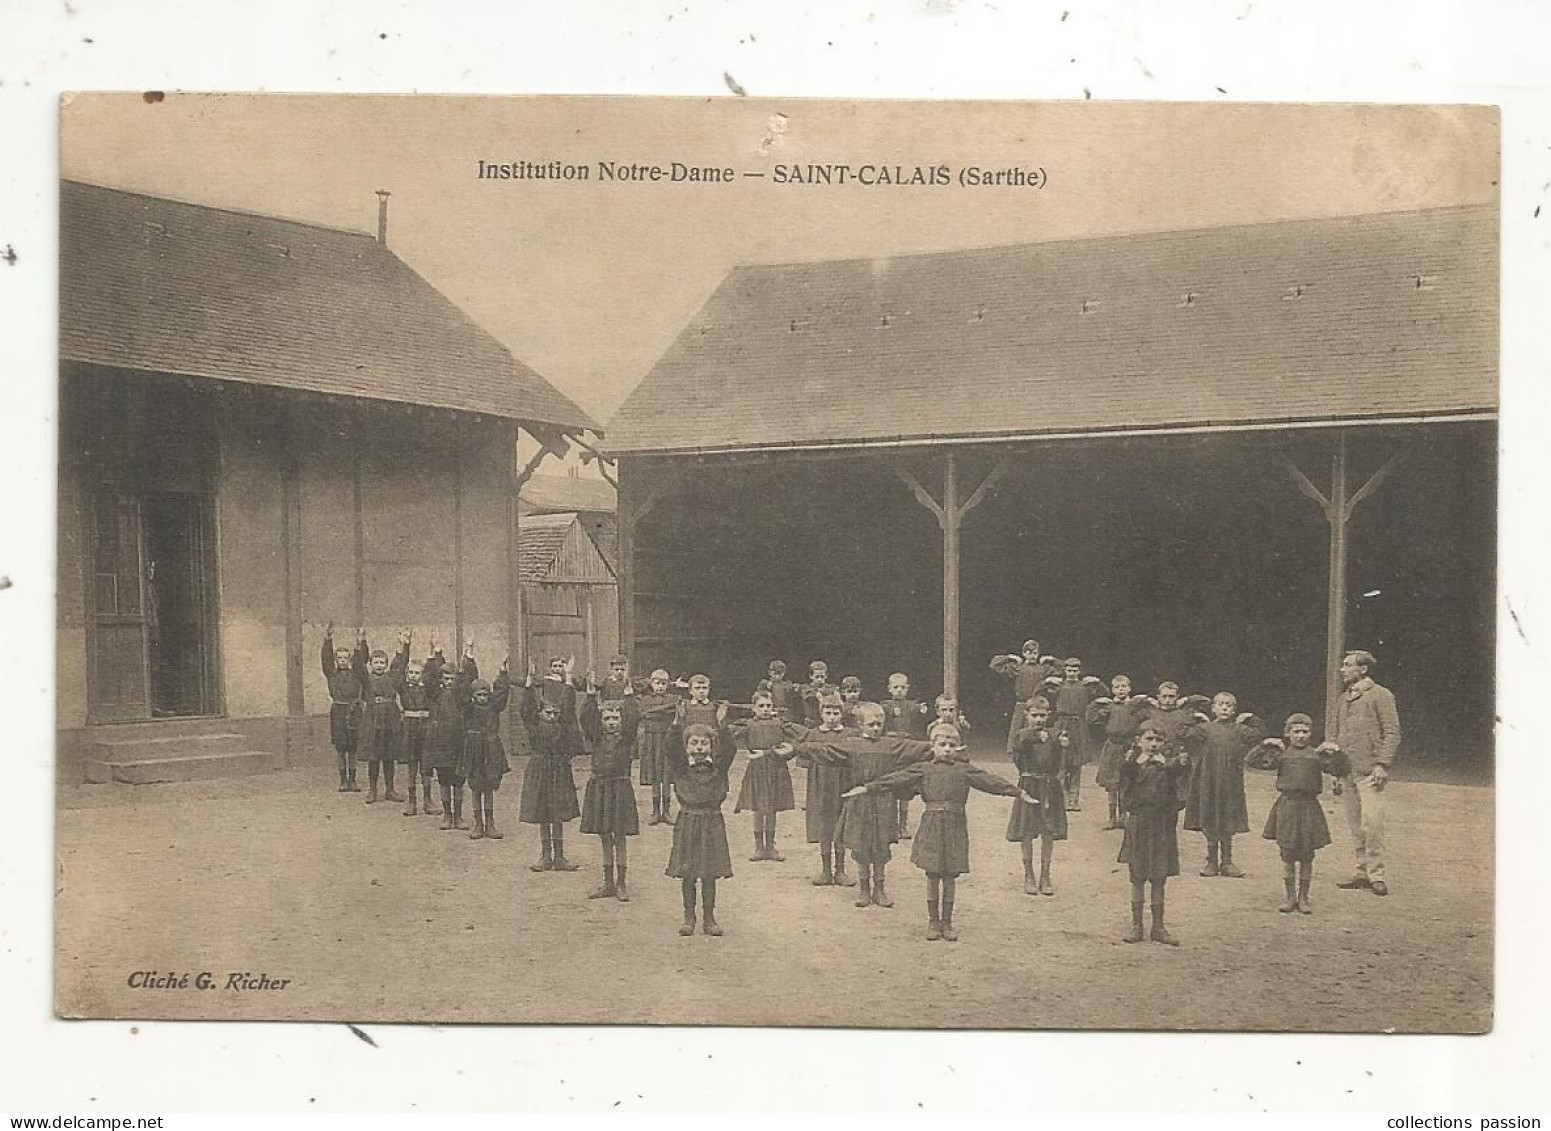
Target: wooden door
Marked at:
118, 684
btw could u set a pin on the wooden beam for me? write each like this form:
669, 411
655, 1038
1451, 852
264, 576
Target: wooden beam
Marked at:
554, 441
521, 476
1003, 466
1374, 482
1306, 486
923, 496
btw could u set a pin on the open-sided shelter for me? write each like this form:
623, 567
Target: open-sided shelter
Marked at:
1219, 456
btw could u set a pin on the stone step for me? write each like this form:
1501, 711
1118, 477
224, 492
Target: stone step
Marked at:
140, 748
187, 767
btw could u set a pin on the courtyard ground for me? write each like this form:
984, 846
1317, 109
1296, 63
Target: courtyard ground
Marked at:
374, 916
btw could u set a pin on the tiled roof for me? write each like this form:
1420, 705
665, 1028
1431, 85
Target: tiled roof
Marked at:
158, 285
539, 539
567, 493
1360, 317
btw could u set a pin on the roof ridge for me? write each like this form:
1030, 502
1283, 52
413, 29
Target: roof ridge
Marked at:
269, 216
1103, 237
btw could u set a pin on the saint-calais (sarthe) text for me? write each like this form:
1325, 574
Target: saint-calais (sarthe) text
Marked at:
821, 174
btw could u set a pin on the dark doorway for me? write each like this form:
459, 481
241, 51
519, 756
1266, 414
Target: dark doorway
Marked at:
179, 605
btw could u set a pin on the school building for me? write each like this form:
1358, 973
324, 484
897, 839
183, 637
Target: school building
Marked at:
1219, 456
266, 426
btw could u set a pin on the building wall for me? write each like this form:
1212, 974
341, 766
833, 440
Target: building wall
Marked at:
408, 572
251, 562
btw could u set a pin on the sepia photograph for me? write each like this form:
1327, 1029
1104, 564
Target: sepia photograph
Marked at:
761, 562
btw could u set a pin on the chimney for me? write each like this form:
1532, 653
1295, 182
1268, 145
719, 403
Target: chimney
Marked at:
382, 216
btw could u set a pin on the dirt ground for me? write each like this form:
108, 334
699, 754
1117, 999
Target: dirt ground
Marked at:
374, 916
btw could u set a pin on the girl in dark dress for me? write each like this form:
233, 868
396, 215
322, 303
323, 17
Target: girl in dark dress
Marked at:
1070, 695
608, 808
869, 822
1296, 822
1215, 805
1118, 713
697, 767
415, 693
826, 782
346, 694
1039, 756
482, 760
1028, 673
1149, 794
447, 687
941, 848
548, 786
657, 708
767, 783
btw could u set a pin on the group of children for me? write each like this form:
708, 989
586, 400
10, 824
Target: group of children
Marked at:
865, 763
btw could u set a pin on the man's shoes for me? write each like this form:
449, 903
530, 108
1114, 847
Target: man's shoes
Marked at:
1379, 888
1356, 883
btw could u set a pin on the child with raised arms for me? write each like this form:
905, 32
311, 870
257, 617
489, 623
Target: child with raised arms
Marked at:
941, 848
767, 782
1149, 794
1296, 821
608, 808
1040, 758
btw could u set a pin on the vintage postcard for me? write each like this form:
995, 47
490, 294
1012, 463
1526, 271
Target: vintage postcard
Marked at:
761, 562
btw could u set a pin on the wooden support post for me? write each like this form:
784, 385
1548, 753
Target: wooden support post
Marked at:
291, 551
358, 507
624, 556
516, 645
1338, 513
456, 656
1335, 638
952, 515
950, 519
